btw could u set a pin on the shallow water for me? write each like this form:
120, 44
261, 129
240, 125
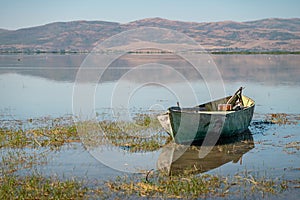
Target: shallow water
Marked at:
34, 86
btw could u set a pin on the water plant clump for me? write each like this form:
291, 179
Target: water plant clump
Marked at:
135, 137
38, 187
40, 137
36, 133
283, 118
14, 160
200, 186
142, 134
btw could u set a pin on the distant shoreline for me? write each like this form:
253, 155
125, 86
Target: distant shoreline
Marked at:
209, 52
255, 52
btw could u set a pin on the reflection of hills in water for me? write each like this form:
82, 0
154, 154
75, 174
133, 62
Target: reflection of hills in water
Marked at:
270, 69
50, 66
180, 159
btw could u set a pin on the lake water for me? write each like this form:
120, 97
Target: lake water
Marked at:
33, 86
42, 85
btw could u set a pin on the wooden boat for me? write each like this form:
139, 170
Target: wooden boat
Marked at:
220, 118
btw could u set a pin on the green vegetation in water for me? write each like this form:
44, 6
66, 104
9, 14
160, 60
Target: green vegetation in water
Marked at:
35, 186
144, 133
40, 137
159, 185
38, 187
25, 146
283, 118
201, 186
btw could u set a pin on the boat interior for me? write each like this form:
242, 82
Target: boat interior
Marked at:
228, 104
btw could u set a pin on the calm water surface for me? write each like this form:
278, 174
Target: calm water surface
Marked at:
33, 86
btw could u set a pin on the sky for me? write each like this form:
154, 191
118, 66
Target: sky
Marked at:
16, 14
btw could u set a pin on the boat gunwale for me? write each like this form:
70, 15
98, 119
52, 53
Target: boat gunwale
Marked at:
221, 113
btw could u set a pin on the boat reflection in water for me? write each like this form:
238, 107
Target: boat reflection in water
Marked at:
178, 159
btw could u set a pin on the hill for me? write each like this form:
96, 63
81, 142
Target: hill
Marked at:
81, 36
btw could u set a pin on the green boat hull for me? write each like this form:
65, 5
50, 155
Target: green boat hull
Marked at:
195, 124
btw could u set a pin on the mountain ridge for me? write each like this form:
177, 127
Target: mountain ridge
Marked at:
271, 34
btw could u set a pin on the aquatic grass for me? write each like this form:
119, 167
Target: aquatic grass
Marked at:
172, 187
200, 186
33, 138
24, 148
283, 118
13, 138
292, 147
144, 133
39, 187
162, 186
261, 184
13, 160
54, 137
35, 133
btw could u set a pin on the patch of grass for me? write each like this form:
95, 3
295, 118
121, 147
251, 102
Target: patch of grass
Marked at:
201, 186
35, 133
38, 187
176, 187
144, 133
41, 137
295, 145
54, 137
292, 147
13, 138
13, 160
283, 118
